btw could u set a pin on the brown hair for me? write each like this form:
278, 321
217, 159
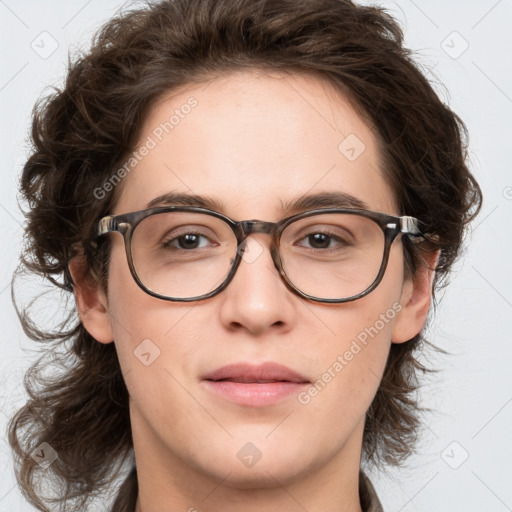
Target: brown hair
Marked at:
82, 133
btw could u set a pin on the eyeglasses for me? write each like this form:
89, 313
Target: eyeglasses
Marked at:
188, 253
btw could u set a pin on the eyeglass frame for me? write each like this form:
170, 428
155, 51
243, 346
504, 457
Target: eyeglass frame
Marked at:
391, 225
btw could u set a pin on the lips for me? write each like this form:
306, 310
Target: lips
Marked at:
250, 385
248, 373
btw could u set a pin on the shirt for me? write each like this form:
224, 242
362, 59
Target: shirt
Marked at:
127, 497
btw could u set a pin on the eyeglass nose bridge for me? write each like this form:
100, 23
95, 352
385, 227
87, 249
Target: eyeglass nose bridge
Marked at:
245, 228
249, 227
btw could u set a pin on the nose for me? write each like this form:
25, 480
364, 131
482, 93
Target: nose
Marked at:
257, 299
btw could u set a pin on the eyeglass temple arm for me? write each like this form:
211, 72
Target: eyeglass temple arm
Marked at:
107, 224
409, 226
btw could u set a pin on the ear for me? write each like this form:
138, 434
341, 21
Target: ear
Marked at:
91, 301
415, 300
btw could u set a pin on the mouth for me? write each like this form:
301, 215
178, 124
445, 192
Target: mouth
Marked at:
263, 373
254, 386
249, 380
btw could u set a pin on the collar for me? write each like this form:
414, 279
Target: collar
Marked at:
369, 500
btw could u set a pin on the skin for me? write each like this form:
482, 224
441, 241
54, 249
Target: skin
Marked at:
254, 139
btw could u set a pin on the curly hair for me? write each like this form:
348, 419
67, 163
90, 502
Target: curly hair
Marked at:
84, 131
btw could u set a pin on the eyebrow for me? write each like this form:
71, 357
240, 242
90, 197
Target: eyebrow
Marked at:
290, 207
322, 200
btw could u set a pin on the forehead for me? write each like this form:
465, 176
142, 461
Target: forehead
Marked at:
254, 142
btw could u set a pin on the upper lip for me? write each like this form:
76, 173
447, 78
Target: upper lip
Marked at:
247, 372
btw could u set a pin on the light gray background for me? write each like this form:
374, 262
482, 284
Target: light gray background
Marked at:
472, 396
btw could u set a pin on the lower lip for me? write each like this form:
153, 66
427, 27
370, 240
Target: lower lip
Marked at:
254, 394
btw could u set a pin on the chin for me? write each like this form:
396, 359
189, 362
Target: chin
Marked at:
250, 467
266, 476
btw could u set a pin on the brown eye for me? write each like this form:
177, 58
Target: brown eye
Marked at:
187, 241
323, 240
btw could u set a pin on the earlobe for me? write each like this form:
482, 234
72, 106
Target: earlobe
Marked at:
416, 299
91, 301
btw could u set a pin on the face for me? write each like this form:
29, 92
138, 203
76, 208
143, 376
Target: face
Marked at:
253, 141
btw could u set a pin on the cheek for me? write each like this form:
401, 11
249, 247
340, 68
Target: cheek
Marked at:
144, 327
353, 356
352, 361
150, 335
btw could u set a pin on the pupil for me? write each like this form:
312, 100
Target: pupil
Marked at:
319, 239
190, 241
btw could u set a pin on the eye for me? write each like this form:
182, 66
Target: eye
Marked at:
324, 240
187, 241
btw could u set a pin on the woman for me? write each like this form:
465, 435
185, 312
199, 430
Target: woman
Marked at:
253, 203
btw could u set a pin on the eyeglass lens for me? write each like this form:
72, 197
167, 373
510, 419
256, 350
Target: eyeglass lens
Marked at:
189, 254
